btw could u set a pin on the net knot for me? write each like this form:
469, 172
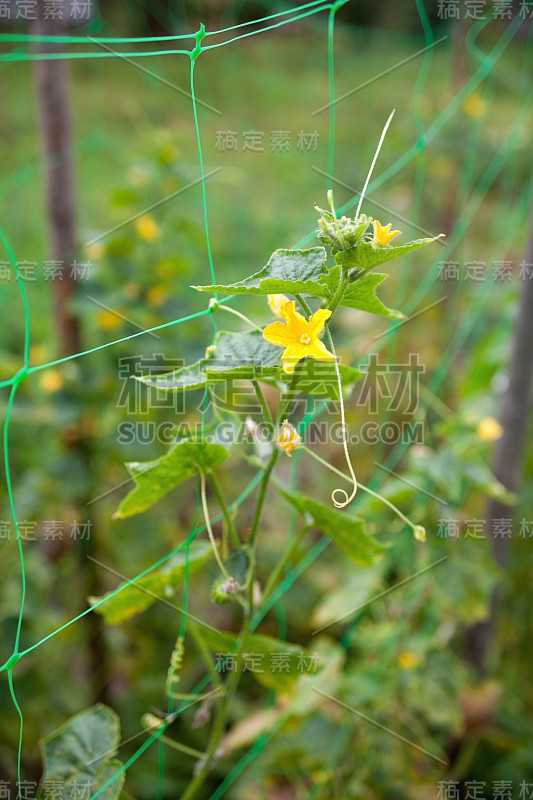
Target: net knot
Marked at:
199, 35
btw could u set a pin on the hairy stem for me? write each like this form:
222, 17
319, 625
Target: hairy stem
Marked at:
213, 480
264, 405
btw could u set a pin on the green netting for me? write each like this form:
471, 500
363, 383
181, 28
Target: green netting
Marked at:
470, 198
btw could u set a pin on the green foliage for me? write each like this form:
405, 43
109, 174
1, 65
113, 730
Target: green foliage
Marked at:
232, 356
367, 255
160, 583
248, 356
347, 532
292, 271
154, 479
282, 677
361, 294
82, 752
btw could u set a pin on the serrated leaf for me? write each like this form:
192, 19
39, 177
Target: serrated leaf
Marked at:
156, 478
162, 582
248, 356
278, 664
236, 356
291, 271
347, 532
81, 754
366, 256
361, 294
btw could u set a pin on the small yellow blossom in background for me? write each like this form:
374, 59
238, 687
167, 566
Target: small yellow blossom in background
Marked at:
299, 336
95, 250
419, 533
147, 228
276, 303
382, 233
407, 660
156, 296
52, 380
288, 439
474, 106
108, 321
489, 429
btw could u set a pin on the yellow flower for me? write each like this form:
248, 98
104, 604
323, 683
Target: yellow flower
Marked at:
383, 233
108, 320
288, 439
474, 106
299, 336
489, 429
52, 380
276, 303
407, 660
156, 296
147, 228
95, 250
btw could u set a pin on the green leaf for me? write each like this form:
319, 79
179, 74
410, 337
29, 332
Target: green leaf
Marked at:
236, 356
347, 532
156, 478
292, 271
277, 664
81, 753
366, 255
361, 294
162, 582
248, 356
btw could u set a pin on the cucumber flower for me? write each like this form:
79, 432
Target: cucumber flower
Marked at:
288, 439
299, 336
382, 234
276, 303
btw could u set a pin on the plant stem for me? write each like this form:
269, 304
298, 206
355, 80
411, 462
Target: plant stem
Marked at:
303, 304
264, 405
285, 406
337, 297
361, 486
224, 508
262, 495
204, 652
189, 751
347, 498
220, 719
208, 526
241, 316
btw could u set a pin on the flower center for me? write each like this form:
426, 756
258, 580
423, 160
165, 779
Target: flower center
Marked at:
305, 339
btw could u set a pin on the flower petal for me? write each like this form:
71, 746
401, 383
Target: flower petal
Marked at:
291, 355
317, 321
276, 303
295, 321
280, 334
319, 352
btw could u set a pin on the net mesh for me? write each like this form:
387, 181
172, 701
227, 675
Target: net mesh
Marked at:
473, 188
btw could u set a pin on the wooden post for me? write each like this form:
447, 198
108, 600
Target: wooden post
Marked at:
51, 79
507, 464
